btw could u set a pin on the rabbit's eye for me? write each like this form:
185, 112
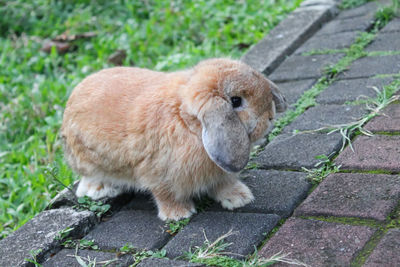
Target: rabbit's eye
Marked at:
236, 101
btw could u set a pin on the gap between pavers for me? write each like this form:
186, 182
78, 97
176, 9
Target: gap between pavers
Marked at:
365, 196
249, 230
317, 243
387, 251
40, 235
293, 152
372, 153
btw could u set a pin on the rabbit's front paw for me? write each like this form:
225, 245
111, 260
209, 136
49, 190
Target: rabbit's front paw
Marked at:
234, 195
96, 189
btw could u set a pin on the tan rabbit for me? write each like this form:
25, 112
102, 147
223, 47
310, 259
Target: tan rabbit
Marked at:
176, 134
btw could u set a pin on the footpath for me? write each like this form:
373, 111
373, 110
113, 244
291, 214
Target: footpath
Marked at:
326, 183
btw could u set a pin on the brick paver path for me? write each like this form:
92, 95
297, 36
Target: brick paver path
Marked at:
352, 218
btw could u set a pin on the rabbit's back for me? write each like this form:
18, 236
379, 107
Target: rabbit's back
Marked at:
107, 113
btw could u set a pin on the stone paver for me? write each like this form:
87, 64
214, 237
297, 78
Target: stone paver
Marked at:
392, 26
66, 257
389, 121
371, 66
292, 152
331, 41
153, 262
41, 233
141, 201
326, 116
363, 10
351, 90
385, 42
276, 192
362, 23
141, 228
250, 229
367, 196
293, 90
266, 55
372, 153
303, 67
387, 251
317, 243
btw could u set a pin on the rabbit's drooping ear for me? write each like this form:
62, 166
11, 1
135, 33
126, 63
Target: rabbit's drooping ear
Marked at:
224, 137
278, 97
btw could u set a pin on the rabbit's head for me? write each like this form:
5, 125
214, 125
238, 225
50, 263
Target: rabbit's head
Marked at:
235, 105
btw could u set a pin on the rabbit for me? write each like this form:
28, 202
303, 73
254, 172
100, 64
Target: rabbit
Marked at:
178, 135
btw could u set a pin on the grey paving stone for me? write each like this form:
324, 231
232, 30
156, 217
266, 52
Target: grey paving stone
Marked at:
153, 262
65, 198
141, 228
331, 41
250, 229
389, 121
292, 152
372, 153
351, 90
40, 234
325, 115
281, 41
293, 90
362, 23
303, 67
389, 41
392, 26
66, 257
317, 243
371, 66
363, 10
276, 192
141, 201
387, 251
367, 196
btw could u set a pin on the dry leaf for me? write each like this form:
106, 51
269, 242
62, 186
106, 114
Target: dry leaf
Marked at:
61, 47
117, 58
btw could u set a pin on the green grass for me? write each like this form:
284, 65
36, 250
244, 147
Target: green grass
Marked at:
34, 86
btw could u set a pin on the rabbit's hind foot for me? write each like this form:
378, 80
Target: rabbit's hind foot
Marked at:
96, 188
171, 209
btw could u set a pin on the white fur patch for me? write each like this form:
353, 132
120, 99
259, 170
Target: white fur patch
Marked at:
96, 188
234, 196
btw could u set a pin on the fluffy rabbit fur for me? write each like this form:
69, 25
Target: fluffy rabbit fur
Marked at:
176, 134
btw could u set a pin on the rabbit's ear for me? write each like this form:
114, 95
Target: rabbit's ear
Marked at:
278, 97
224, 136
